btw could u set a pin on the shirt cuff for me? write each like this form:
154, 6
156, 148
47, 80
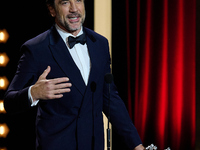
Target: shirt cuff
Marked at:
31, 98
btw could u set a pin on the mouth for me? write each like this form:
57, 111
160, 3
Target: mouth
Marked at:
74, 18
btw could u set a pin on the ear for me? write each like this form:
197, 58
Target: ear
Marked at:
52, 10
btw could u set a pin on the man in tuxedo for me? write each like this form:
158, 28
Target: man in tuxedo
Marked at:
62, 72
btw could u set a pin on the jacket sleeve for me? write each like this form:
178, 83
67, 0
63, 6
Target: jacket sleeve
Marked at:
119, 116
120, 119
16, 97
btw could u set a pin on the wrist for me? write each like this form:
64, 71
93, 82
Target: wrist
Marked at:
32, 96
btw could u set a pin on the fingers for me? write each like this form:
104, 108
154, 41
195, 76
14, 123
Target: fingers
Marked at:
54, 88
58, 93
59, 80
45, 73
51, 88
46, 89
62, 86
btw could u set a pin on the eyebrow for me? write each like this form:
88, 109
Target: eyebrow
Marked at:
64, 0
60, 1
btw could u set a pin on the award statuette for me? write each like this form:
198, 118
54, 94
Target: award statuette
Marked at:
153, 147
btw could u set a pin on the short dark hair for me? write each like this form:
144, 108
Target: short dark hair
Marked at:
50, 2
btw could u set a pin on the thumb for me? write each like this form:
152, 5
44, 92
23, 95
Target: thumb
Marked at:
45, 73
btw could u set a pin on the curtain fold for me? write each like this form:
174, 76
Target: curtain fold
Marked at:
164, 84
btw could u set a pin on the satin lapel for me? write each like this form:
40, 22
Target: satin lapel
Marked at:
94, 58
65, 61
95, 69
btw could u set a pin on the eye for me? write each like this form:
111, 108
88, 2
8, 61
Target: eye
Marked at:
65, 2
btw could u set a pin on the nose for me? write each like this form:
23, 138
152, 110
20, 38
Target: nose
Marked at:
73, 6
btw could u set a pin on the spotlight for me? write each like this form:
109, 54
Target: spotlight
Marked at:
3, 59
3, 36
2, 109
4, 130
3, 83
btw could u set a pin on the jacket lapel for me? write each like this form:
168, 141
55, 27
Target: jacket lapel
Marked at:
65, 61
95, 57
63, 58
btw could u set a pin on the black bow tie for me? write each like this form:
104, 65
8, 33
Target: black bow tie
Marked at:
74, 40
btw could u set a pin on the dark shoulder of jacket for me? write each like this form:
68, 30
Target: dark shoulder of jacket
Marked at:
40, 39
94, 35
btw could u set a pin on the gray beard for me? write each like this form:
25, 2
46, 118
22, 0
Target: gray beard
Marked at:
67, 26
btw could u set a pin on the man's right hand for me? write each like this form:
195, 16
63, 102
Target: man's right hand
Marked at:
49, 89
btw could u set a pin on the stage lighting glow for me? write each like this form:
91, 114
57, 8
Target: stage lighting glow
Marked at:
3, 36
3, 83
2, 109
4, 130
3, 59
3, 148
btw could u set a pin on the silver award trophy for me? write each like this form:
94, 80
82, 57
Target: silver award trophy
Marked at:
153, 147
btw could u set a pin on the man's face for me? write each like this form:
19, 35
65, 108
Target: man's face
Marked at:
69, 15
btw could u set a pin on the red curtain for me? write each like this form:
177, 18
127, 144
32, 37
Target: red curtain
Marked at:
164, 112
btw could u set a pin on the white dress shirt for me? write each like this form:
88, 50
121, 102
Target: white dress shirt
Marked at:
79, 54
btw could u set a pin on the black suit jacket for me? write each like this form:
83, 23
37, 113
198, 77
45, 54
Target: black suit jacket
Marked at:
69, 123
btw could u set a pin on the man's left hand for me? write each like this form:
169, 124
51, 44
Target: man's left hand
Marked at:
139, 147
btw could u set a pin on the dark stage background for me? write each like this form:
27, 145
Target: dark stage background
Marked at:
152, 41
